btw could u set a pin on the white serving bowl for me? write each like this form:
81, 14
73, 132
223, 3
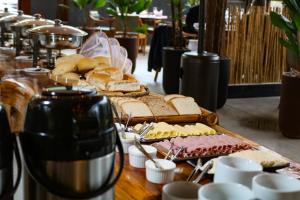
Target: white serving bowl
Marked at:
225, 191
276, 187
180, 190
160, 176
128, 140
236, 170
137, 158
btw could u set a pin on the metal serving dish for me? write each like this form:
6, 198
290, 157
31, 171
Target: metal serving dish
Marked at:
57, 36
5, 12
7, 21
23, 25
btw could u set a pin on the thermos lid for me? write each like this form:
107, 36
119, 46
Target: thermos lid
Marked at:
68, 124
207, 56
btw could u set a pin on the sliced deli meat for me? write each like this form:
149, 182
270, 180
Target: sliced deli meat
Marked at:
201, 146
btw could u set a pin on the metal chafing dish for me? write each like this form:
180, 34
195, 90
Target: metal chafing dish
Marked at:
20, 29
7, 21
5, 12
57, 36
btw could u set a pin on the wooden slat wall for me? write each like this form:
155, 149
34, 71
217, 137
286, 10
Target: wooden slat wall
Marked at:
252, 44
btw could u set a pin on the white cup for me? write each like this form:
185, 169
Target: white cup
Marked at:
225, 191
276, 187
180, 190
236, 170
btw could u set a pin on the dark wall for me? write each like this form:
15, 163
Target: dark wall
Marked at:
48, 9
45, 7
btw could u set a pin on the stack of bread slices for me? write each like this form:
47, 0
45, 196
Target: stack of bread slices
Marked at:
153, 105
96, 72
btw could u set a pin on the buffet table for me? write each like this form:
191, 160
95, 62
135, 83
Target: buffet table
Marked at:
133, 183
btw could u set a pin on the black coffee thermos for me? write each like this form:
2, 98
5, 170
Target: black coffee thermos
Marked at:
8, 147
6, 155
70, 152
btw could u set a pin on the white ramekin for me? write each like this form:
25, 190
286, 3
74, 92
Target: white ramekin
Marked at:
137, 158
160, 176
128, 141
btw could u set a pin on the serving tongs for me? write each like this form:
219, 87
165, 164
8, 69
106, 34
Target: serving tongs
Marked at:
206, 168
123, 135
195, 170
141, 148
145, 129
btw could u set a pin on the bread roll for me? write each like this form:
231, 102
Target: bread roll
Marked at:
129, 77
102, 60
70, 58
185, 106
115, 73
64, 68
71, 76
98, 80
86, 64
123, 86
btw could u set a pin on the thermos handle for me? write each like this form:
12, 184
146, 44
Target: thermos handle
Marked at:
9, 194
42, 178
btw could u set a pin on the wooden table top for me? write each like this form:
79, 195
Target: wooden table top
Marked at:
133, 184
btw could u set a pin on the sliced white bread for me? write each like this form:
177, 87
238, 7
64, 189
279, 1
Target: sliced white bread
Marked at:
185, 106
167, 98
136, 109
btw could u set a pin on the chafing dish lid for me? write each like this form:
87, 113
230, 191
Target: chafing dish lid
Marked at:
5, 12
58, 29
36, 21
15, 17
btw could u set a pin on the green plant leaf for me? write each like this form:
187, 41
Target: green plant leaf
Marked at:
297, 22
99, 4
282, 22
288, 45
111, 11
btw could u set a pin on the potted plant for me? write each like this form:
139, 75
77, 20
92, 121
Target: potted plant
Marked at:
172, 55
120, 10
289, 108
85, 6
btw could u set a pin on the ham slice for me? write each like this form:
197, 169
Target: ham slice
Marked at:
197, 146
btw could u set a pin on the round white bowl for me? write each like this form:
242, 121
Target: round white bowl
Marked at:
180, 190
236, 170
225, 191
276, 187
160, 176
137, 158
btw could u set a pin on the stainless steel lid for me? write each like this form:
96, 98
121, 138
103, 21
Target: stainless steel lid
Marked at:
58, 29
15, 18
36, 21
5, 12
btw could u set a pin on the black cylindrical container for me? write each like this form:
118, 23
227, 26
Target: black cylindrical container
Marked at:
6, 155
68, 145
289, 108
171, 69
200, 78
224, 76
